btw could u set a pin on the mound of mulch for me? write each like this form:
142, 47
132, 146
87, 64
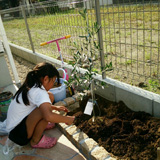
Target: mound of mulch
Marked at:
126, 134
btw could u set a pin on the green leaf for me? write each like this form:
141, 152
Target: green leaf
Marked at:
71, 62
83, 13
82, 36
108, 65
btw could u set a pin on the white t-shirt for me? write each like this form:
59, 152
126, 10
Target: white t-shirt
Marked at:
18, 111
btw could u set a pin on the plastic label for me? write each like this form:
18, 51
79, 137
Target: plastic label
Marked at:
89, 108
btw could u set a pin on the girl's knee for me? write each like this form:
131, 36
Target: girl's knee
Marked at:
51, 96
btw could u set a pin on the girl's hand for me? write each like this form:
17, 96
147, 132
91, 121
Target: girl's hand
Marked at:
60, 108
70, 120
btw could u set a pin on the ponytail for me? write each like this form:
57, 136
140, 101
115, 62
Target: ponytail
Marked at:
33, 78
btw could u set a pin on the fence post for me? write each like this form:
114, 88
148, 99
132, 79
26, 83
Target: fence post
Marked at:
8, 51
98, 17
28, 31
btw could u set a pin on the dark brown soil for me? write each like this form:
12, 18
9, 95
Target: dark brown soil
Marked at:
126, 134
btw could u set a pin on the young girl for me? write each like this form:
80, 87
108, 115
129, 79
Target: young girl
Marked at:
31, 109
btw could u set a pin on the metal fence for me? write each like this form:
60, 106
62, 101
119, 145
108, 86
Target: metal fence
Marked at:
130, 36
131, 40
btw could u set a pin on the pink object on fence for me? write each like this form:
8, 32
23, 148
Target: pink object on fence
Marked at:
55, 40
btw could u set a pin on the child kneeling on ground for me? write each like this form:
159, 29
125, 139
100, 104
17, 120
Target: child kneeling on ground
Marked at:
30, 111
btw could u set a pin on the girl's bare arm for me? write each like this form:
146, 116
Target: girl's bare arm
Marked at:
49, 116
59, 108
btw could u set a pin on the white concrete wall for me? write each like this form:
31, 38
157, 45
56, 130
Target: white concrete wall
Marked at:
6, 83
135, 98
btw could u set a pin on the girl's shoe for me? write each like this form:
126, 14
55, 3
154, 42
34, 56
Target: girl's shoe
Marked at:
50, 126
46, 142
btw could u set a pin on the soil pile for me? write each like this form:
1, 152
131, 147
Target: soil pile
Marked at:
126, 134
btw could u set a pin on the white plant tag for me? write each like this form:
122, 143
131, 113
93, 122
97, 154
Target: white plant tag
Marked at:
89, 108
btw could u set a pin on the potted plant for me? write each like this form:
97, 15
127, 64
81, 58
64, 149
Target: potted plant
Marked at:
87, 57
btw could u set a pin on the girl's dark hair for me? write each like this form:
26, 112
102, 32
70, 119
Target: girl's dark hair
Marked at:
34, 79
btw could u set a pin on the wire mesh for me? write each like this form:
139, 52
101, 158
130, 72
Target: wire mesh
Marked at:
131, 40
15, 27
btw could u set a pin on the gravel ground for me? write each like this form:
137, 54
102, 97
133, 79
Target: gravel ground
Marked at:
22, 66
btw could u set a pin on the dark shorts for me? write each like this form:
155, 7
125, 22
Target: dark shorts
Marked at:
19, 134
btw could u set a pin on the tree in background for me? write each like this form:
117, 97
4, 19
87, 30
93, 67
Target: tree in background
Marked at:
14, 3
5, 4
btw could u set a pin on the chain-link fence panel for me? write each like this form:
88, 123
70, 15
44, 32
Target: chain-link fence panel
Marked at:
131, 34
15, 27
45, 21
